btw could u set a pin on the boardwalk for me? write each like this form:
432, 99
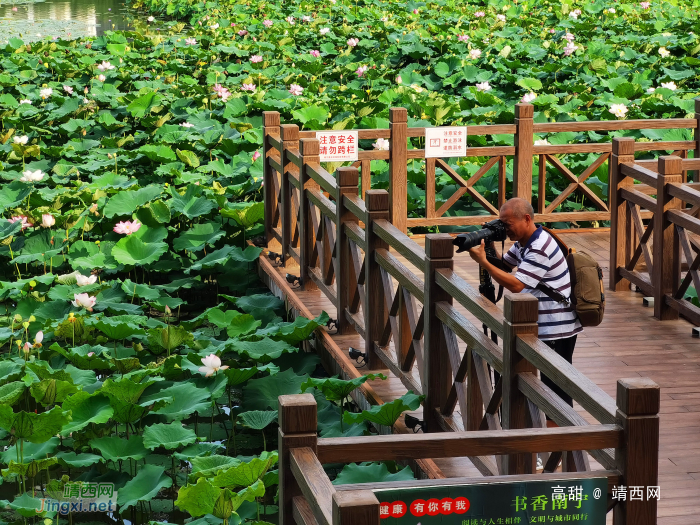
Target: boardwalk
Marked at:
629, 343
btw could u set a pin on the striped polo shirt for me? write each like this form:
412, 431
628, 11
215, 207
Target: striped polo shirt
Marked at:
541, 260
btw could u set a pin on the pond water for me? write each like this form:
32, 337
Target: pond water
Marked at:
35, 20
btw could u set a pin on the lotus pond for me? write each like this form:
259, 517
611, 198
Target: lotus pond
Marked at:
138, 346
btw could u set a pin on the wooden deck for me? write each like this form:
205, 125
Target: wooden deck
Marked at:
629, 343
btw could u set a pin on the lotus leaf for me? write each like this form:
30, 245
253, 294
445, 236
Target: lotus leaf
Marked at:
35, 428
262, 394
258, 419
388, 413
114, 448
145, 485
169, 436
133, 251
335, 389
85, 409
371, 473
245, 474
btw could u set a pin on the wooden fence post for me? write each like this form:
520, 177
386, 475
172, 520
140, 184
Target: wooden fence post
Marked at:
667, 260
297, 417
696, 155
376, 314
524, 142
271, 127
347, 179
355, 507
398, 169
520, 312
638, 402
290, 138
308, 149
621, 234
437, 377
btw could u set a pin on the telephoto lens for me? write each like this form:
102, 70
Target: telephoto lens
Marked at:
492, 231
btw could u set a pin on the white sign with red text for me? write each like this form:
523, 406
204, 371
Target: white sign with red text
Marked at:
449, 141
337, 146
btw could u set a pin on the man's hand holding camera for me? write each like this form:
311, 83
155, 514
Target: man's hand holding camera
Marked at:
478, 253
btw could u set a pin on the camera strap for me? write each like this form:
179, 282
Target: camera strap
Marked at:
553, 294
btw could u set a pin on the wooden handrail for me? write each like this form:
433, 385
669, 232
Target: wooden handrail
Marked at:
639, 173
451, 444
561, 413
685, 192
356, 205
324, 204
684, 220
356, 234
591, 397
615, 125
470, 334
483, 309
400, 242
275, 141
639, 198
398, 271
323, 179
314, 483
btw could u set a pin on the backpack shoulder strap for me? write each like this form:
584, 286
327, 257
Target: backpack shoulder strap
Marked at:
562, 245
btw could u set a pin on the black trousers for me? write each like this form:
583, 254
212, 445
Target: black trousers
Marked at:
565, 348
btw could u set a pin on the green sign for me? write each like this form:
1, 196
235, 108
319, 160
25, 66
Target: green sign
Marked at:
581, 501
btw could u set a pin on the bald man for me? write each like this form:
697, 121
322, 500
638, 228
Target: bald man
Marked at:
539, 260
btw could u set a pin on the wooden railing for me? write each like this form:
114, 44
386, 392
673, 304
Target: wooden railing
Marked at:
282, 165
668, 238
307, 496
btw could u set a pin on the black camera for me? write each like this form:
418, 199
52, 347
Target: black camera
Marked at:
492, 231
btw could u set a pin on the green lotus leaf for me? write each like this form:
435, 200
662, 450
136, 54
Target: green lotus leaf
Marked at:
79, 460
208, 466
79, 355
187, 399
8, 228
245, 474
220, 256
258, 419
249, 303
143, 105
133, 251
115, 448
198, 237
9, 370
295, 332
125, 390
144, 486
245, 214
158, 153
198, 499
236, 376
13, 194
168, 338
170, 436
35, 428
28, 506
371, 473
50, 391
197, 450
127, 201
116, 327
142, 291
388, 413
338, 389
189, 204
262, 351
188, 157
262, 394
11, 392
85, 409
32, 451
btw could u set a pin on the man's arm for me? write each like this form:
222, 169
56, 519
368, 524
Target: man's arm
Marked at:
507, 280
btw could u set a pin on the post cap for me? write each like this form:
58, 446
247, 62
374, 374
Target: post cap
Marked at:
289, 132
638, 396
397, 115
670, 165
271, 118
309, 147
355, 506
377, 200
623, 146
347, 176
523, 110
439, 246
297, 413
520, 308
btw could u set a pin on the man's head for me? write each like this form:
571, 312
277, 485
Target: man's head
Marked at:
518, 216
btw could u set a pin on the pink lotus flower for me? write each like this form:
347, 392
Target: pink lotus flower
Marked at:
645, 5
83, 300
315, 53
27, 347
415, 11
474, 54
256, 58
268, 23
290, 19
296, 90
528, 97
352, 42
399, 79
569, 37
32, 176
575, 13
501, 18
23, 219
47, 220
361, 71
569, 49
90, 354
190, 41
242, 32
479, 14
552, 31
462, 38
127, 227
248, 87
256, 156
306, 18
68, 89
81, 280
223, 92
212, 364
101, 78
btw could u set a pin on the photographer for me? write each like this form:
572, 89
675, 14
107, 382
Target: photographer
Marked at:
539, 260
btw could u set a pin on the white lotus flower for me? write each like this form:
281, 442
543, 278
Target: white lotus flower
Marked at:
501, 18
68, 89
651, 90
105, 66
542, 142
528, 97
612, 11
664, 52
46, 93
81, 280
187, 125
474, 54
151, 18
20, 140
101, 78
39, 337
483, 86
669, 85
25, 101
324, 30
619, 110
47, 220
32, 176
212, 364
83, 300
381, 144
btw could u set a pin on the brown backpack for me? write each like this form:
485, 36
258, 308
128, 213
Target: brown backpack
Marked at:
587, 289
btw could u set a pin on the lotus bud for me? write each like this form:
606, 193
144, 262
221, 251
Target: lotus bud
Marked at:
138, 347
39, 337
27, 348
18, 318
167, 310
31, 317
25, 325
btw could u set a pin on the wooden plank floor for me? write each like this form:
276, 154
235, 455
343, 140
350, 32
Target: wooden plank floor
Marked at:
629, 343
